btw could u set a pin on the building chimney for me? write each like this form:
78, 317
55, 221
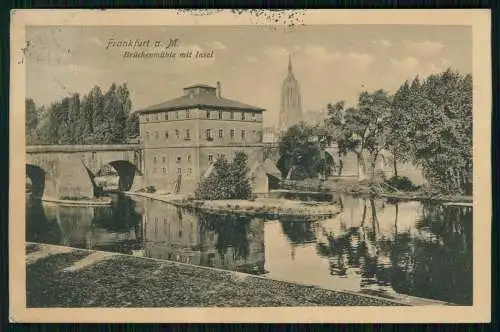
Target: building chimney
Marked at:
218, 90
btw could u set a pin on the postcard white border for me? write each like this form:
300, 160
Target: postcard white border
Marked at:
479, 312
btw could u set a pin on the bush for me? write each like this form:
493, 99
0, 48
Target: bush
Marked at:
401, 183
150, 189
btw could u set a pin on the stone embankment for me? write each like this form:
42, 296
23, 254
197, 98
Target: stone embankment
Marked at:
62, 277
264, 207
101, 201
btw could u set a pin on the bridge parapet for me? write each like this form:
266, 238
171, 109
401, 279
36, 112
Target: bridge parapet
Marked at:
82, 148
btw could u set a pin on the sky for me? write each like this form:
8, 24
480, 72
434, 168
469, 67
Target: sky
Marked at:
331, 63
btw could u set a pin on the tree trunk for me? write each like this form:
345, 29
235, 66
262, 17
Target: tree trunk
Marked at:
341, 165
375, 223
364, 214
395, 165
396, 222
373, 164
361, 166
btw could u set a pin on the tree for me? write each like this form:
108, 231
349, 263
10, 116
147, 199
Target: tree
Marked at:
99, 124
32, 120
132, 126
84, 122
441, 130
93, 119
239, 174
299, 151
336, 131
397, 139
226, 181
365, 127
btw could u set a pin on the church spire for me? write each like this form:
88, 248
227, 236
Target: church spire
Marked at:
290, 63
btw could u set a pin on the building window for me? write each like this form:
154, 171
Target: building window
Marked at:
166, 115
221, 133
231, 115
254, 118
179, 160
188, 114
147, 136
164, 159
243, 134
147, 118
208, 114
177, 115
254, 133
156, 135
164, 170
220, 115
223, 156
189, 158
189, 171
209, 135
210, 157
231, 132
177, 133
156, 116
166, 135
243, 116
179, 171
154, 160
188, 134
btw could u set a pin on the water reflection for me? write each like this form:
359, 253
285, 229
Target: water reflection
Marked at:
222, 241
372, 246
431, 258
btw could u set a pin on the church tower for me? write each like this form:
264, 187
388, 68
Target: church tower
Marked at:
291, 104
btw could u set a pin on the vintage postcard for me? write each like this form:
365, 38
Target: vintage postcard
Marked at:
250, 166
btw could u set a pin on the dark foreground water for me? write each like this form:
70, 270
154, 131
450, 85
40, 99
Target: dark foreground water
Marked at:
372, 246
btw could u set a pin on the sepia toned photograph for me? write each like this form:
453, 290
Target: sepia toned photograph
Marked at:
262, 159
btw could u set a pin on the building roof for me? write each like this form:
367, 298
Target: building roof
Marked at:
201, 99
205, 86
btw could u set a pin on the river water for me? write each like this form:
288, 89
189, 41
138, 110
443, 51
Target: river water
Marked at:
372, 246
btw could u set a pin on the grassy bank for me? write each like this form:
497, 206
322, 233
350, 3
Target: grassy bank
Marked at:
260, 207
354, 187
264, 207
63, 277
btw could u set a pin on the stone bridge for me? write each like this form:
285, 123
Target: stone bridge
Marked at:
271, 151
59, 171
348, 164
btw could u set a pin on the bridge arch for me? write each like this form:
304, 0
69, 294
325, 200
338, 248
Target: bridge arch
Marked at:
284, 165
126, 172
36, 175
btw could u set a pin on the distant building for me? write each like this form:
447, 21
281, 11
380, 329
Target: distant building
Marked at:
182, 137
315, 117
291, 102
271, 135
